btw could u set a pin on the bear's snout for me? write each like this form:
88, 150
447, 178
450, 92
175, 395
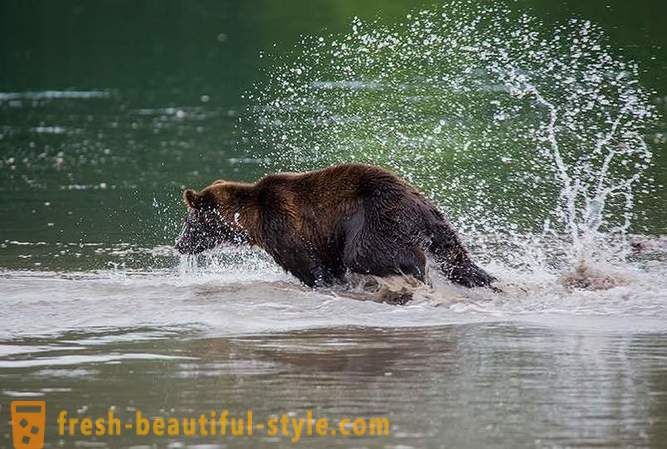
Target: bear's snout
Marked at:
184, 243
183, 246
200, 233
187, 241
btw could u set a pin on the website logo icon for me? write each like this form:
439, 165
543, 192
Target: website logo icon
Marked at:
28, 421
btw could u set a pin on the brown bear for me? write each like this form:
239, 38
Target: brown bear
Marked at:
323, 224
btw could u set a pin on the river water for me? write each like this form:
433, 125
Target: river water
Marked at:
103, 124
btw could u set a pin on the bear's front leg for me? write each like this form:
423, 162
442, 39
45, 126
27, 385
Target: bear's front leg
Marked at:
295, 255
303, 264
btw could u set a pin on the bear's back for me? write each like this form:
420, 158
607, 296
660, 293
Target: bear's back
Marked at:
329, 186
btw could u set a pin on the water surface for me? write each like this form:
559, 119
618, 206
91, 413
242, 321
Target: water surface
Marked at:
108, 110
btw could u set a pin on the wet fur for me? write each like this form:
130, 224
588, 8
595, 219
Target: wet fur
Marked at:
320, 224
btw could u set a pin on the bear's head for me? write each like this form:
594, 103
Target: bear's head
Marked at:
212, 219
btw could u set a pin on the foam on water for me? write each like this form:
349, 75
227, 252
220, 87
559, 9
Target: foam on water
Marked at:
235, 293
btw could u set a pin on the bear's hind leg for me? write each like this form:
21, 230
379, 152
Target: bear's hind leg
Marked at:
373, 246
454, 261
379, 258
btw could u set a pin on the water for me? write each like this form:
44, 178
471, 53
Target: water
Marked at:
543, 141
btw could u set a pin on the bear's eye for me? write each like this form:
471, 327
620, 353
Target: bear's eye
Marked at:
197, 219
209, 218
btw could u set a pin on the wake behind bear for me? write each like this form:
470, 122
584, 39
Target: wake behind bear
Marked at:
322, 225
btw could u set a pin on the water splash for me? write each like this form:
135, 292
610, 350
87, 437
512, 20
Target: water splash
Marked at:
238, 264
531, 137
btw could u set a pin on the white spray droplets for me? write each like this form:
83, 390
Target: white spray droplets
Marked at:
514, 130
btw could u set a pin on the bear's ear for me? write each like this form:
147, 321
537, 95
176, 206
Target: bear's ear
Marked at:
194, 200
